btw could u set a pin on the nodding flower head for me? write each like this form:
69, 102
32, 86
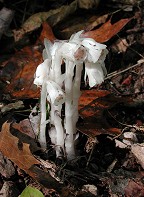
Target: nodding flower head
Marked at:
42, 72
55, 93
73, 52
94, 72
93, 48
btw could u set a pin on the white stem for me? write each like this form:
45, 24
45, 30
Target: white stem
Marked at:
57, 69
52, 114
76, 93
69, 143
42, 134
56, 110
59, 131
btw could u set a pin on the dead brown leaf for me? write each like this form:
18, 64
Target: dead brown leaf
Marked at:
7, 169
77, 23
138, 151
134, 188
19, 70
120, 46
6, 16
96, 22
53, 17
85, 4
25, 127
106, 31
17, 152
92, 104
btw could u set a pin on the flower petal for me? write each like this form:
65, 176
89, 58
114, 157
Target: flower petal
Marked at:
73, 52
103, 55
94, 49
42, 72
94, 72
55, 92
48, 47
76, 37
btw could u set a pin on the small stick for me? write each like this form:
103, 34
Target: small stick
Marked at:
122, 71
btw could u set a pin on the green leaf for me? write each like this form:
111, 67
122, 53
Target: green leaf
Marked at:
31, 192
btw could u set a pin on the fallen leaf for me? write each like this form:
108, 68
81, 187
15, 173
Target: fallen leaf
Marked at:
25, 127
19, 70
30, 191
127, 81
120, 144
52, 17
90, 188
106, 31
134, 188
96, 22
77, 23
6, 16
89, 96
46, 33
92, 104
34, 119
138, 151
9, 189
85, 4
64, 12
32, 23
7, 169
120, 46
17, 152
10, 106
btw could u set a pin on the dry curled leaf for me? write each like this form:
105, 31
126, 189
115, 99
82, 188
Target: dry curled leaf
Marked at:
134, 188
16, 151
10, 106
25, 127
106, 31
138, 151
53, 17
6, 16
120, 46
96, 22
85, 4
77, 23
19, 153
92, 104
20, 68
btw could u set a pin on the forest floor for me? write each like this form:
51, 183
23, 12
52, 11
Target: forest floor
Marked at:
110, 148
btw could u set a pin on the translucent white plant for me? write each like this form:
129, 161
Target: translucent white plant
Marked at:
64, 89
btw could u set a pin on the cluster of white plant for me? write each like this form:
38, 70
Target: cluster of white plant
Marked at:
58, 89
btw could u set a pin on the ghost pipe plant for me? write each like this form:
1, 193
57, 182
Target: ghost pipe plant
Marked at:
59, 89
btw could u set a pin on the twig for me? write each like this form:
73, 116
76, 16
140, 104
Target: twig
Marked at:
135, 30
122, 71
23, 19
141, 128
130, 47
89, 158
111, 166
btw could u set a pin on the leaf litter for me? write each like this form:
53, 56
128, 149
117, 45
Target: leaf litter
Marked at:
110, 160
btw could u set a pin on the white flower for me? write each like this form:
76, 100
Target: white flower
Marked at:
73, 52
76, 37
94, 49
55, 93
94, 72
42, 72
48, 47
